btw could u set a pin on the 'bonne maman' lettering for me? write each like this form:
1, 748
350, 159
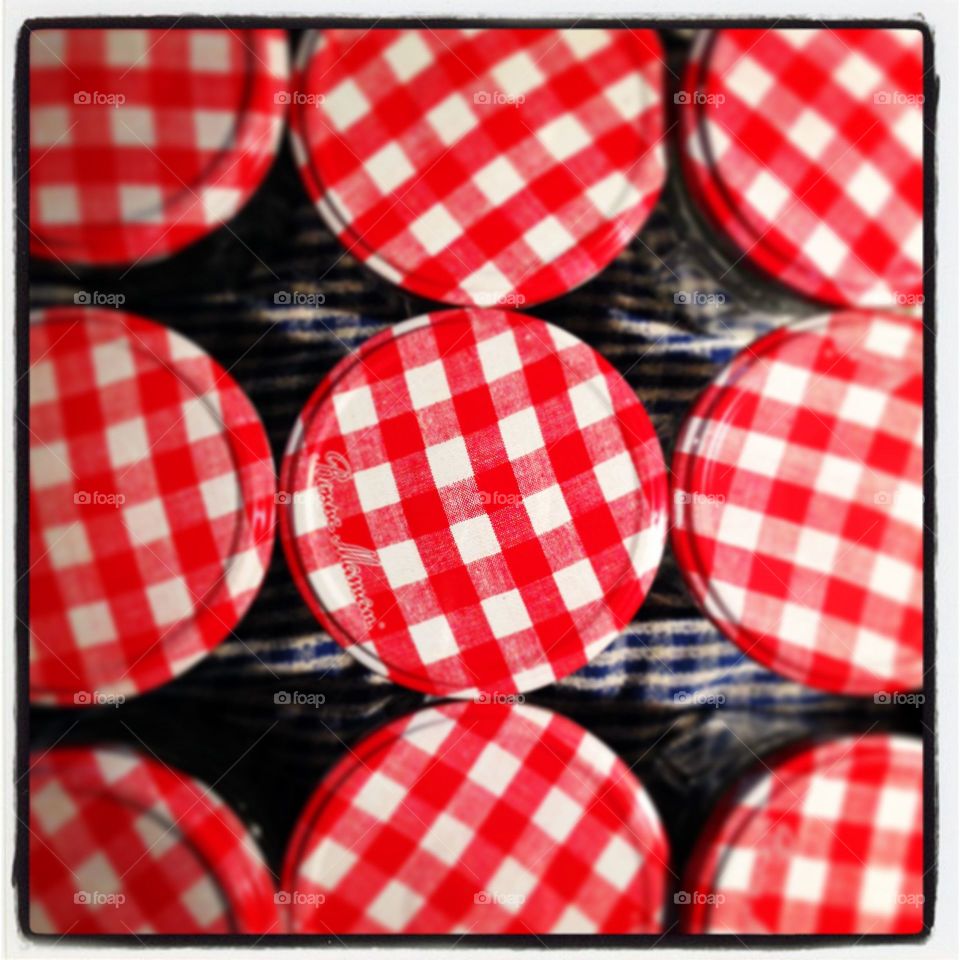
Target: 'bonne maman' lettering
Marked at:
332, 470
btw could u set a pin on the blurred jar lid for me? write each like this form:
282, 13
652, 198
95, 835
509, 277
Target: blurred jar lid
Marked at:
482, 167
151, 505
825, 839
478, 818
143, 141
798, 502
805, 147
122, 844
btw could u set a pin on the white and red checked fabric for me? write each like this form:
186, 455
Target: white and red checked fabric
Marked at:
151, 504
825, 840
121, 844
798, 502
482, 167
805, 147
478, 818
475, 501
143, 141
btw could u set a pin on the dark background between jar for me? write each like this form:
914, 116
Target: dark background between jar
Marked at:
220, 723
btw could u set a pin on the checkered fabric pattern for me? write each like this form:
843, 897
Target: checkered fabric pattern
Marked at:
806, 148
482, 167
798, 502
142, 141
476, 500
120, 844
478, 818
151, 504
828, 841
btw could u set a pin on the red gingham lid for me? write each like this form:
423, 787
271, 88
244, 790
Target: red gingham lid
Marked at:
798, 502
476, 500
478, 818
142, 141
151, 504
826, 840
482, 166
806, 148
121, 844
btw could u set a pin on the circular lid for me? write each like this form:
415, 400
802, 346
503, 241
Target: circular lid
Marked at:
475, 500
826, 840
478, 818
142, 141
806, 148
122, 844
151, 504
798, 502
482, 166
